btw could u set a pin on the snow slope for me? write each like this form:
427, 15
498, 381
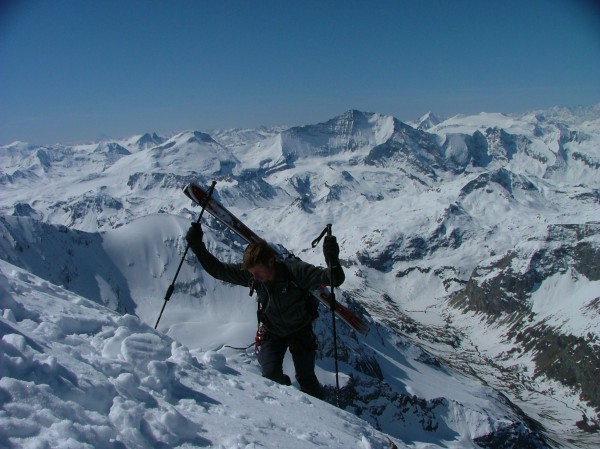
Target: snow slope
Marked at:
393, 384
77, 375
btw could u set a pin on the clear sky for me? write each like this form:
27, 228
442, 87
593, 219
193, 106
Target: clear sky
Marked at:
80, 70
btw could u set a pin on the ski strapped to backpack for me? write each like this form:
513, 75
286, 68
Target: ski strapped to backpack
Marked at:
200, 196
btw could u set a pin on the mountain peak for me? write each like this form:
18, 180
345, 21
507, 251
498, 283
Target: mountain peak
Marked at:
427, 121
351, 131
149, 140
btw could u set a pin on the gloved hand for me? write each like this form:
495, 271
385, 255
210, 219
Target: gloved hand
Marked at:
194, 235
331, 251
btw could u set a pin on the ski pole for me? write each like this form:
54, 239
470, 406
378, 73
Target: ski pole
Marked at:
172, 286
335, 351
315, 242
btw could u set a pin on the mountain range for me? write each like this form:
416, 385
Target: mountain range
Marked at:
471, 245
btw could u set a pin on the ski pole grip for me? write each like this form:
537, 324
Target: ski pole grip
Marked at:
169, 292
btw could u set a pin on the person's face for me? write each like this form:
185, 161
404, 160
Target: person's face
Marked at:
262, 272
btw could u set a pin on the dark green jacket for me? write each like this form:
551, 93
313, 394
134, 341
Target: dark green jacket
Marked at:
283, 301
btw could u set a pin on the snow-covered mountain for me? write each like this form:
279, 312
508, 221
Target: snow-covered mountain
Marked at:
426, 121
471, 245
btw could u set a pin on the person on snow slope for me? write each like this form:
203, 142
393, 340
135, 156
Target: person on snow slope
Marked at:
286, 309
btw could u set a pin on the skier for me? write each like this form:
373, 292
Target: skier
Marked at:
286, 310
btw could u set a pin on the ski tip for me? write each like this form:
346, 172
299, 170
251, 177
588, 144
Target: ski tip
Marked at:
188, 190
188, 194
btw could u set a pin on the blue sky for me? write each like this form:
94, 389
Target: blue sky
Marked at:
80, 70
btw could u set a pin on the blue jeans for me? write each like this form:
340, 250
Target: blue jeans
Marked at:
302, 346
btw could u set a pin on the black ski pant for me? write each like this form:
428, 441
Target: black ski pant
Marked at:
302, 346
